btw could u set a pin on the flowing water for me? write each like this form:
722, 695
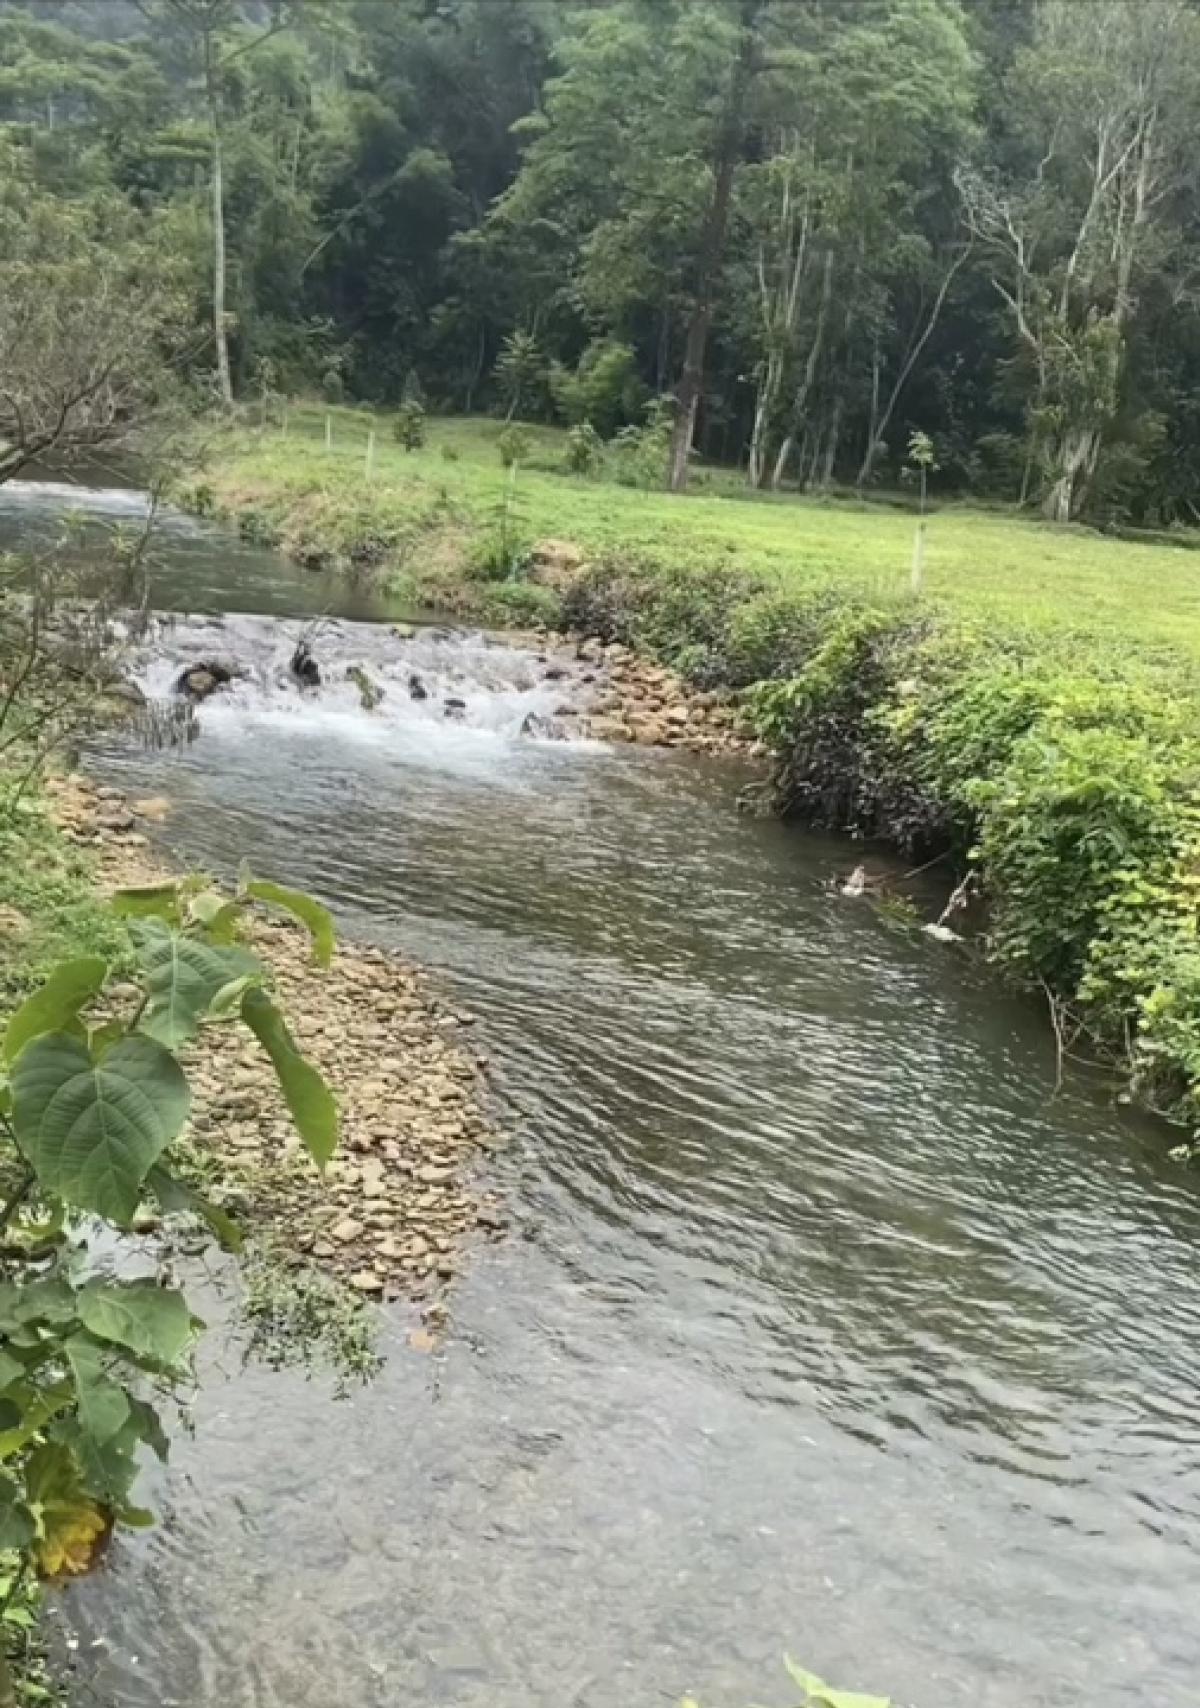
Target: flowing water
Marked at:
826, 1323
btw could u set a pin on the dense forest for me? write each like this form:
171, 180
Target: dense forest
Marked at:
799, 230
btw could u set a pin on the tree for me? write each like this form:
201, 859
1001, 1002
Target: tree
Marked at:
91, 315
1105, 98
215, 34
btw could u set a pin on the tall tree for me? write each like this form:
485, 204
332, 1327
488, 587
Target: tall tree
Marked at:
214, 34
1106, 99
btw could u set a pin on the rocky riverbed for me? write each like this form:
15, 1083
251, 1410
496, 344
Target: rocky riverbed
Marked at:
401, 1202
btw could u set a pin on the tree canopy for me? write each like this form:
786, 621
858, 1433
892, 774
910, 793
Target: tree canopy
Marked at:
819, 226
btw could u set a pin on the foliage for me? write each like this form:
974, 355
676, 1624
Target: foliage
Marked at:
605, 390
571, 209
585, 450
817, 1694
92, 1105
514, 446
502, 550
408, 426
520, 374
640, 453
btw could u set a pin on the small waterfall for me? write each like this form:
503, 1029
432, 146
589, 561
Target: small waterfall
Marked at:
362, 677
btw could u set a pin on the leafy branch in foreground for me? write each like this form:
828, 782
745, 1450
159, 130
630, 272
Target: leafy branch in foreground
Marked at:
91, 1102
818, 1694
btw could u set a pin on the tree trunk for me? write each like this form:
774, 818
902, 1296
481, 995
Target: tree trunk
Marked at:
768, 391
1078, 451
800, 402
831, 447
881, 419
781, 462
712, 248
220, 334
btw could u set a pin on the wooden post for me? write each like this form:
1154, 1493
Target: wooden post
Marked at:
918, 558
370, 466
329, 432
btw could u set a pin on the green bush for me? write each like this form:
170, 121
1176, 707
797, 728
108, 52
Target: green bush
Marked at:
640, 453
333, 387
585, 450
408, 426
514, 446
605, 388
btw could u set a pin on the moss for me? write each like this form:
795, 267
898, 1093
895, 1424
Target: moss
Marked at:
49, 908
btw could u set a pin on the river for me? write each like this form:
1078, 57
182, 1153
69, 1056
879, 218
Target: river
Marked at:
826, 1323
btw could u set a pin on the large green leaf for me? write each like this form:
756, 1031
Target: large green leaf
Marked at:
151, 901
153, 1322
816, 1691
217, 914
17, 1528
313, 1106
310, 913
92, 1131
184, 976
102, 1406
50, 1009
177, 1196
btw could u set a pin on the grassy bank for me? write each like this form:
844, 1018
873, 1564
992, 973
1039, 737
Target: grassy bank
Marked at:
1033, 717
416, 519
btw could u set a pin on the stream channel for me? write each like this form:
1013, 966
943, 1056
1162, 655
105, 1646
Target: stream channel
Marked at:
826, 1323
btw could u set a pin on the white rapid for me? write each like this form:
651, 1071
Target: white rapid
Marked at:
363, 680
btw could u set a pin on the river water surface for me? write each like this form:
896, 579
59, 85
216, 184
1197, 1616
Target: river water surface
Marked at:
825, 1323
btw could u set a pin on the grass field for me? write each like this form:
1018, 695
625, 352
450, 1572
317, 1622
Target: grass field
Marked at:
983, 562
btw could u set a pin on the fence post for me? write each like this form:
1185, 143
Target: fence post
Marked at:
329, 432
370, 467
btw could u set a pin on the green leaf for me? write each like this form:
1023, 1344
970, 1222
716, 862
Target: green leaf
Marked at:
849, 1699
17, 1528
150, 1430
177, 1197
310, 913
69, 987
93, 1130
809, 1683
152, 901
153, 1322
11, 1370
228, 1000
311, 1103
218, 915
102, 1406
184, 976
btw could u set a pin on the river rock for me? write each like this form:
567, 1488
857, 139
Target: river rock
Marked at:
153, 807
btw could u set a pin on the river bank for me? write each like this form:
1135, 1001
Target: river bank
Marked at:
1036, 737
401, 1202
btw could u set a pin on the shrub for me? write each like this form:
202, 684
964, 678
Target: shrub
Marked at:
585, 449
514, 445
408, 427
640, 453
604, 389
333, 387
94, 1103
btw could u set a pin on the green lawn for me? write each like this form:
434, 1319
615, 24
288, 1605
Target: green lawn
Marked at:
993, 565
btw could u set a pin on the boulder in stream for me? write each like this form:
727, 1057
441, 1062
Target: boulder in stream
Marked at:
200, 680
304, 666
